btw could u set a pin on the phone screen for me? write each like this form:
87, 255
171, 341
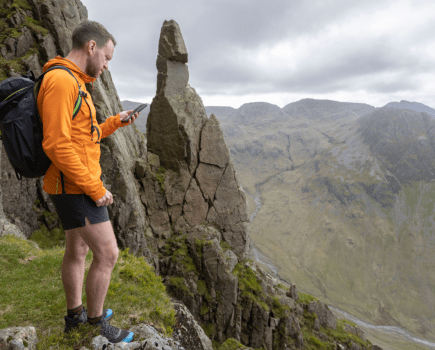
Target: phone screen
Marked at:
137, 110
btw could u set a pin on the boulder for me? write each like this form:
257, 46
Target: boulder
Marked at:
24, 43
16, 19
189, 334
32, 63
19, 198
355, 331
10, 48
47, 47
195, 208
354, 346
213, 148
18, 338
6, 228
293, 292
326, 317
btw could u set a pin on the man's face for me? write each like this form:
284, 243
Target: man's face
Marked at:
98, 59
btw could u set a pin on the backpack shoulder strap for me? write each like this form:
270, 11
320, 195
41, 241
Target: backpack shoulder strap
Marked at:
77, 104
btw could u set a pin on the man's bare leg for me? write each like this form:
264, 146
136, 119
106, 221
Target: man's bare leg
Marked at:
73, 268
101, 240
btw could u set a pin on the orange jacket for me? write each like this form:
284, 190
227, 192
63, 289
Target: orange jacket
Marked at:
69, 143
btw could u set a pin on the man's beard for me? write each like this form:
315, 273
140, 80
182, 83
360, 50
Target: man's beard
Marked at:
91, 69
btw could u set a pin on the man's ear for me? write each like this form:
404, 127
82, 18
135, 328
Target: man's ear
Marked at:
91, 47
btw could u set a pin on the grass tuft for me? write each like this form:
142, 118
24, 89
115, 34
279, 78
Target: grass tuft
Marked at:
305, 298
48, 239
160, 177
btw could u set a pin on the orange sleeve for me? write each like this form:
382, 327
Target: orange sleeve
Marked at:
111, 125
60, 92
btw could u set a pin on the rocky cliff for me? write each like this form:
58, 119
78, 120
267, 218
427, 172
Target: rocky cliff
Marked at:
177, 198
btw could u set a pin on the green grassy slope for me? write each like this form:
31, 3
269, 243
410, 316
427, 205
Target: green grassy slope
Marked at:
31, 293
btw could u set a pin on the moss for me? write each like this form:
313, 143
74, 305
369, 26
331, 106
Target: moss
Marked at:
202, 290
160, 177
15, 33
305, 298
199, 246
231, 344
280, 310
309, 318
224, 245
21, 4
248, 280
209, 330
350, 323
16, 64
177, 249
344, 337
202, 287
178, 282
48, 239
312, 342
189, 265
35, 26
182, 255
249, 284
218, 297
204, 309
50, 218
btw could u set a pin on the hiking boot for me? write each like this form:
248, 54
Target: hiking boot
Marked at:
113, 334
107, 314
83, 318
71, 323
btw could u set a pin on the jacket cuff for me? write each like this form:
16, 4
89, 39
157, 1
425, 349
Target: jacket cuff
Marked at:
118, 121
96, 196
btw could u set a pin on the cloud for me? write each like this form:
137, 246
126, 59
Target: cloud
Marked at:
278, 48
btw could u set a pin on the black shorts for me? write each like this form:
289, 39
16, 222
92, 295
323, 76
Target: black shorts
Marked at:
73, 208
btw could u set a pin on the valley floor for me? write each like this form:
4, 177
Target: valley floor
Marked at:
388, 338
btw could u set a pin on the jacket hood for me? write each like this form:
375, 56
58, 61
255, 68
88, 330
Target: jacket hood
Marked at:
61, 61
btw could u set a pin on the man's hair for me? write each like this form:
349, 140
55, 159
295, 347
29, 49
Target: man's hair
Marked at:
91, 30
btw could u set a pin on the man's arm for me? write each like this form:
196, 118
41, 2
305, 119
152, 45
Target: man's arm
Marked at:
113, 123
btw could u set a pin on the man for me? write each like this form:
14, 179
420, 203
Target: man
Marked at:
73, 179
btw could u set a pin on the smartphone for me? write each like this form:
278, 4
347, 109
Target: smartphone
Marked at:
137, 110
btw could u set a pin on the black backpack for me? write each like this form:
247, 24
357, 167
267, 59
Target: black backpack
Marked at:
21, 125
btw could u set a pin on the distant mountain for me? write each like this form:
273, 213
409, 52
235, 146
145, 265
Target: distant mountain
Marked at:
403, 142
347, 204
414, 106
257, 113
314, 109
220, 112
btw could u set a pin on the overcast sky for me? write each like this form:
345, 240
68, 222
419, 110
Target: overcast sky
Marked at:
279, 51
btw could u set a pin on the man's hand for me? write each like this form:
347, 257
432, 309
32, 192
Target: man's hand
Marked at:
125, 114
105, 200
